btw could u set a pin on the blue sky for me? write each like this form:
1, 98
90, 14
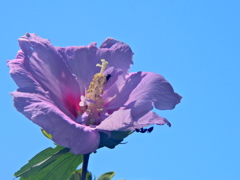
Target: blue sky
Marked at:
193, 44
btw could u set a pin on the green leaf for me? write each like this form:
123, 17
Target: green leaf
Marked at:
38, 159
56, 166
36, 168
106, 176
49, 136
61, 169
76, 175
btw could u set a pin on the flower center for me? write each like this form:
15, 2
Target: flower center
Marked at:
94, 95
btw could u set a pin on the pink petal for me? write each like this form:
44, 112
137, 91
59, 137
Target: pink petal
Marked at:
65, 132
46, 65
82, 60
148, 87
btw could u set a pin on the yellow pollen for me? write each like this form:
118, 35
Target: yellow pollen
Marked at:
95, 92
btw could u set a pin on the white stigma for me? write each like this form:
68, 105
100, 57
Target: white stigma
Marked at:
103, 66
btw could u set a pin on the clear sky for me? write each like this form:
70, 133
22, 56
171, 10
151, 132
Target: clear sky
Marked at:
193, 44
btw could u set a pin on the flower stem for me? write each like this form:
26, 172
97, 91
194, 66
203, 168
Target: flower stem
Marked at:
84, 166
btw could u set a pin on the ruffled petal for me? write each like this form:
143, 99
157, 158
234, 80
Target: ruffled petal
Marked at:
82, 60
24, 80
117, 53
45, 64
148, 119
123, 120
27, 82
153, 87
65, 132
148, 87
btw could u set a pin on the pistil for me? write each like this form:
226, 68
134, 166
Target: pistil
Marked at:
94, 93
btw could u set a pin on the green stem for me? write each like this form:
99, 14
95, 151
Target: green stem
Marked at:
84, 166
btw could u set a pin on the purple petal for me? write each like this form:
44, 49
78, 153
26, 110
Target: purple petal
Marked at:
155, 88
24, 80
139, 108
148, 119
27, 83
113, 86
65, 132
46, 65
82, 60
118, 121
118, 54
148, 87
122, 120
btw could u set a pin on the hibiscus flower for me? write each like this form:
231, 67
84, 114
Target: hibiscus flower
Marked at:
80, 93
